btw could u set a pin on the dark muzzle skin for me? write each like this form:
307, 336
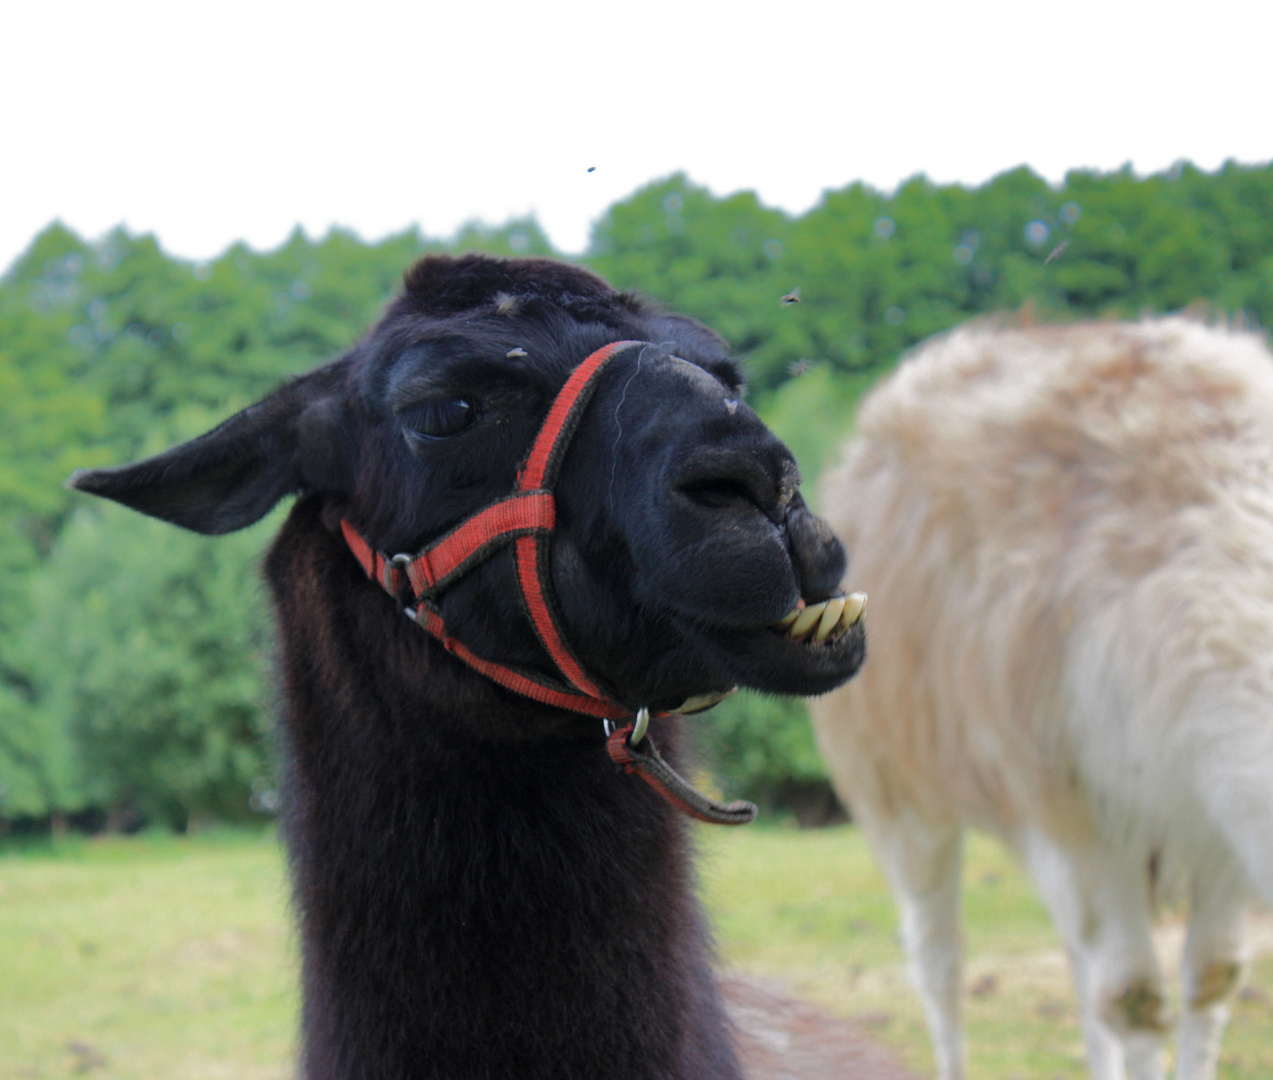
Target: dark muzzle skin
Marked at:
707, 527
718, 545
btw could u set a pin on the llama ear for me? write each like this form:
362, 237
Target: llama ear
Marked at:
236, 473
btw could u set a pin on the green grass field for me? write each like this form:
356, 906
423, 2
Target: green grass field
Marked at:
813, 909
163, 958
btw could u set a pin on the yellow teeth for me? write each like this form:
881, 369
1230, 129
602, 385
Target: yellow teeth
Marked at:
806, 620
830, 618
788, 619
824, 621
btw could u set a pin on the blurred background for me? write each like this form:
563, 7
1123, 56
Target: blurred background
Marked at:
199, 202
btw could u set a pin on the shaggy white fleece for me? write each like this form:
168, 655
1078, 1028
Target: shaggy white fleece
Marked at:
1067, 537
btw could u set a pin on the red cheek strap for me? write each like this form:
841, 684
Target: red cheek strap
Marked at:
526, 518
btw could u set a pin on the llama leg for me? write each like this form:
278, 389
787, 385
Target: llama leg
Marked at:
923, 861
1215, 959
1099, 902
1234, 781
1057, 880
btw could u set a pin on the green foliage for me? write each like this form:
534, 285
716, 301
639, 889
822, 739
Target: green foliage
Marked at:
39, 761
144, 658
878, 273
718, 260
756, 744
109, 351
812, 414
520, 238
112, 349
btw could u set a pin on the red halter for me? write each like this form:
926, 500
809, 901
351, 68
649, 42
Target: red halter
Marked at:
526, 518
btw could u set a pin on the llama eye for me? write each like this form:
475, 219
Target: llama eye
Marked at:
437, 419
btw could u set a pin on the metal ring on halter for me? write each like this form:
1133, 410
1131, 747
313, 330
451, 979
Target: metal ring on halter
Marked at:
639, 727
399, 562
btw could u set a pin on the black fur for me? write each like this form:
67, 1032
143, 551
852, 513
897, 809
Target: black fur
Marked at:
481, 892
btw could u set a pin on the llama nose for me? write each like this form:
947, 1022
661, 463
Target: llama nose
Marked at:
819, 557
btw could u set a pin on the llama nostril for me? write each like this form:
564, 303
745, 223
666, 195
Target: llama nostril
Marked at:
745, 481
743, 467
718, 493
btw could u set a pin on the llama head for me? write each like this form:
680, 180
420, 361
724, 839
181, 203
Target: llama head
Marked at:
681, 537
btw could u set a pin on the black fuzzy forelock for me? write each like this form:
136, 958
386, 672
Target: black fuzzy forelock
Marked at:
440, 285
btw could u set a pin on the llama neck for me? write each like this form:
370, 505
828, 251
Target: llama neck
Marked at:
471, 906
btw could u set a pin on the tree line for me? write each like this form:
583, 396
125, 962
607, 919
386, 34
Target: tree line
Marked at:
134, 658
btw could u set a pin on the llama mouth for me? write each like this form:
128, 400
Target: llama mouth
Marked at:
822, 623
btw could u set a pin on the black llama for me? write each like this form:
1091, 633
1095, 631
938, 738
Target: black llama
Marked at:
597, 527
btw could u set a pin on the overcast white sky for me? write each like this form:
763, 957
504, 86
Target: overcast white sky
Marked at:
213, 122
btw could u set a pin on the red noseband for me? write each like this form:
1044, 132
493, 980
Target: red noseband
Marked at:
525, 518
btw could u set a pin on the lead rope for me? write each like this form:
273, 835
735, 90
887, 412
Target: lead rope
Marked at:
648, 764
